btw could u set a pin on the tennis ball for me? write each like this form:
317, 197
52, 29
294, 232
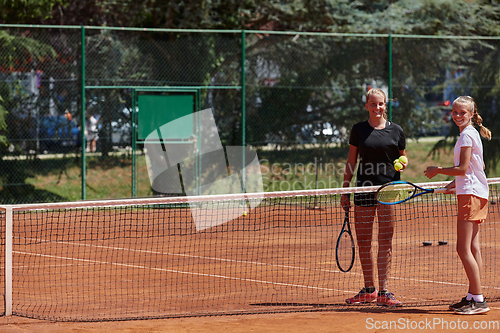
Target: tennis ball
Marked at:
398, 166
396, 161
403, 159
244, 213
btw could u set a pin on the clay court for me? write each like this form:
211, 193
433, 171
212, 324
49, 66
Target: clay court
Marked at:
358, 320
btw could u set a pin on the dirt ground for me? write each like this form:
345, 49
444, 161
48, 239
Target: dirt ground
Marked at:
432, 319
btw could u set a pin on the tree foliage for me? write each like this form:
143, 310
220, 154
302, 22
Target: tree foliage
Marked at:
28, 11
423, 17
18, 53
317, 80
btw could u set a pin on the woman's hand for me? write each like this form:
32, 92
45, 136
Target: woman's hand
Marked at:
345, 201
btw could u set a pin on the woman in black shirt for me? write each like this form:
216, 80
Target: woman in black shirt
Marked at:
377, 142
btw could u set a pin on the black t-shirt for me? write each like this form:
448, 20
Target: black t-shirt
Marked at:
377, 149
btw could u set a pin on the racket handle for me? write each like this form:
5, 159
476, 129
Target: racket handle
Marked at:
443, 190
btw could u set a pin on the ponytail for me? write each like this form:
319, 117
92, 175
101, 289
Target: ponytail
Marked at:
485, 133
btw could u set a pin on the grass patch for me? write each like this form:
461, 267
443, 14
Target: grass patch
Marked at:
106, 178
111, 177
420, 157
280, 174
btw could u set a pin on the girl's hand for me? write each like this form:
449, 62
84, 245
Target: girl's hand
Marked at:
450, 190
431, 171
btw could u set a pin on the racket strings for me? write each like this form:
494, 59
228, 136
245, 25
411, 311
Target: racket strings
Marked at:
396, 193
345, 252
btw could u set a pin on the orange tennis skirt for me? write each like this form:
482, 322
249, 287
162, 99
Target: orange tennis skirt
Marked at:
472, 208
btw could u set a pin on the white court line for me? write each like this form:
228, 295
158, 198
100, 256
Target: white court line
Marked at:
247, 262
178, 272
202, 257
198, 274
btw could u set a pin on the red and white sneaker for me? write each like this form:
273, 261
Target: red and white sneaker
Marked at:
388, 299
362, 297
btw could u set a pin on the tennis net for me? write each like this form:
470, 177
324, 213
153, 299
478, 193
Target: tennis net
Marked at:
226, 254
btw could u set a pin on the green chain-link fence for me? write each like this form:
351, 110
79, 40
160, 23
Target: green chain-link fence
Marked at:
294, 101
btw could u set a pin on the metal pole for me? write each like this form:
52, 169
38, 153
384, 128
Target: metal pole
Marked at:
82, 133
390, 75
8, 261
134, 143
243, 112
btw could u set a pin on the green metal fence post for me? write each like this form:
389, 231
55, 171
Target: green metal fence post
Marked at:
243, 112
134, 143
82, 133
389, 83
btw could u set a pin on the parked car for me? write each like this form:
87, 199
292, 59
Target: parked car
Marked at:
57, 134
121, 133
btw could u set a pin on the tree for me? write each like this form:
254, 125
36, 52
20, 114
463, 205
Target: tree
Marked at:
202, 14
27, 11
17, 52
334, 71
477, 60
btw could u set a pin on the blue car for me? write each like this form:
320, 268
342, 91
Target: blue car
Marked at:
58, 134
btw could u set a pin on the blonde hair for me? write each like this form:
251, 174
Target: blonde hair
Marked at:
377, 91
476, 118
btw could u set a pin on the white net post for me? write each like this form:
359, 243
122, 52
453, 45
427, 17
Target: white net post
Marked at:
8, 261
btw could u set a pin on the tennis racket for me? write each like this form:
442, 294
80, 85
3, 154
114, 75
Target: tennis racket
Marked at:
345, 251
400, 191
